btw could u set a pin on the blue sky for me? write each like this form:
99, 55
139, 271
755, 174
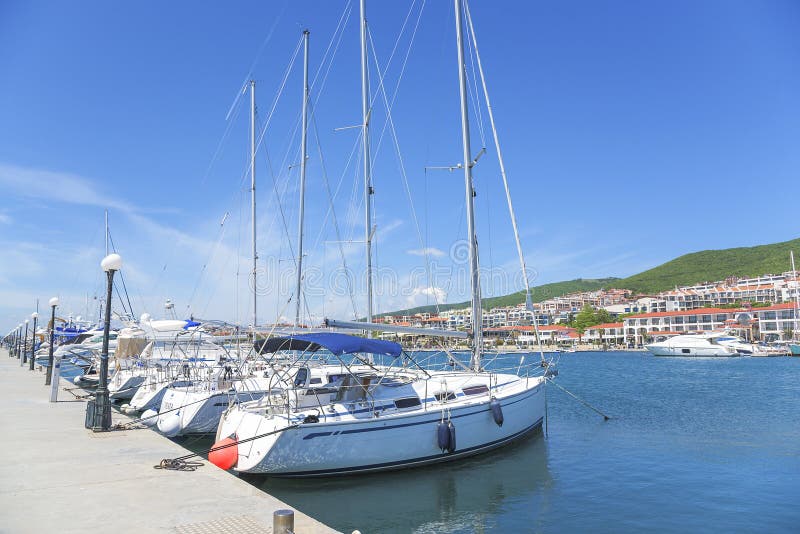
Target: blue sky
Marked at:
633, 132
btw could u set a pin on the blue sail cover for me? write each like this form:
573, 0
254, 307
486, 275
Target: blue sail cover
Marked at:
343, 344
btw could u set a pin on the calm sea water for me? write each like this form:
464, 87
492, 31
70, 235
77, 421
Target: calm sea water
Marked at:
695, 445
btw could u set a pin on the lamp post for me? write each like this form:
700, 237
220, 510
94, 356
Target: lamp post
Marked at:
53, 304
19, 336
98, 413
35, 316
24, 346
12, 342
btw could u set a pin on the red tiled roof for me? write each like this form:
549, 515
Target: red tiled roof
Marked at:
696, 311
774, 307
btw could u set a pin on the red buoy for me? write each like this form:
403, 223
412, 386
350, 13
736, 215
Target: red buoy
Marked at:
227, 457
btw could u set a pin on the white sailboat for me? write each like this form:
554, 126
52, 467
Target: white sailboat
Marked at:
380, 417
794, 345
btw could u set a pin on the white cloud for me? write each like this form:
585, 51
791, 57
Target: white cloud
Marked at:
4, 218
429, 251
56, 186
426, 295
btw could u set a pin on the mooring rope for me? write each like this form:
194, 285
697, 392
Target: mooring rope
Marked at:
180, 463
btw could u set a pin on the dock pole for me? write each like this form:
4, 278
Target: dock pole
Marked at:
283, 522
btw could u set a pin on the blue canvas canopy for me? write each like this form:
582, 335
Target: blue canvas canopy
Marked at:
336, 343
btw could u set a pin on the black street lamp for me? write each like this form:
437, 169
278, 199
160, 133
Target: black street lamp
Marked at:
19, 336
12, 342
98, 412
24, 346
53, 304
35, 316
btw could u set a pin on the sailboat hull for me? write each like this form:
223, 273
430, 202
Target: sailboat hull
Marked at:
339, 448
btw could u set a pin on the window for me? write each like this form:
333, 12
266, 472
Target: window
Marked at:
685, 351
445, 396
408, 402
476, 390
301, 376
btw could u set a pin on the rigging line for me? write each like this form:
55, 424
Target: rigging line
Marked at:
343, 20
235, 110
210, 257
397, 43
265, 42
216, 286
528, 303
473, 91
398, 153
122, 279
331, 208
276, 99
382, 75
278, 202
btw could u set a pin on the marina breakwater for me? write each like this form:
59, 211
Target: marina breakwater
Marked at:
60, 477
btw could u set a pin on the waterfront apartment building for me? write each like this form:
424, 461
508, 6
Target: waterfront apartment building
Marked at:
607, 333
766, 323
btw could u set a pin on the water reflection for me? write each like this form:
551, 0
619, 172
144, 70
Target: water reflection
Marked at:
463, 496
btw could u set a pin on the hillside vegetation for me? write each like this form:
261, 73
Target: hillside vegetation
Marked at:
538, 294
689, 269
713, 265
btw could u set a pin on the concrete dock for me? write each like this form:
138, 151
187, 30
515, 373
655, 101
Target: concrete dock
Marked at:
59, 477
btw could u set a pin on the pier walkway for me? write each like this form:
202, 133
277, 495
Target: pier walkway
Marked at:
56, 476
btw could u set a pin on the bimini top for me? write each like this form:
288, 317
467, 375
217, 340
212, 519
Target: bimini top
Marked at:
336, 343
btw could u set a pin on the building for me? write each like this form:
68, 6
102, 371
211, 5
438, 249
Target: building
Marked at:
763, 323
606, 333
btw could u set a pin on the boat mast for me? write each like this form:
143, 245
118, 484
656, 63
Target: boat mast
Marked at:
796, 297
365, 143
477, 312
303, 158
253, 195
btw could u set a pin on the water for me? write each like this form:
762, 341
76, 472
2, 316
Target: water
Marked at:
695, 445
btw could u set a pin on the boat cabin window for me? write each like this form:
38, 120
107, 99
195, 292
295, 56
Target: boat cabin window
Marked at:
354, 388
316, 380
408, 402
335, 379
480, 389
685, 351
301, 377
445, 395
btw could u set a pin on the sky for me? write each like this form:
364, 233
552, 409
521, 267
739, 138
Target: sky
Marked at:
632, 133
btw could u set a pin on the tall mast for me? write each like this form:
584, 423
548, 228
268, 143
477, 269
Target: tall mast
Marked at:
796, 297
303, 158
365, 143
477, 312
253, 194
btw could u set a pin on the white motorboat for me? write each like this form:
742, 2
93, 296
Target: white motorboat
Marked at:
693, 345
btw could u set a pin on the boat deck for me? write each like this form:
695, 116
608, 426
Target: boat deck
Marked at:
60, 477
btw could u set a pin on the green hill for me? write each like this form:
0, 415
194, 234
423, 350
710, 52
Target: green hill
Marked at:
689, 269
712, 265
538, 293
